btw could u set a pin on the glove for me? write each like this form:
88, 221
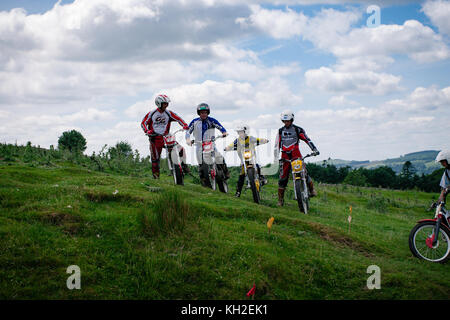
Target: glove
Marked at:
224, 134
149, 132
189, 142
186, 127
316, 152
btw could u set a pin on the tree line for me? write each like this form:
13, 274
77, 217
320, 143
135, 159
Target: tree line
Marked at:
380, 177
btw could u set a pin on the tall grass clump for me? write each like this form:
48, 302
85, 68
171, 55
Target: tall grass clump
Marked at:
377, 203
169, 212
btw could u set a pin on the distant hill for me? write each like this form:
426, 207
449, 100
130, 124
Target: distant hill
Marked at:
423, 161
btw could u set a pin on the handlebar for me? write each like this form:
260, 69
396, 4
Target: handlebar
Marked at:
303, 158
213, 139
157, 134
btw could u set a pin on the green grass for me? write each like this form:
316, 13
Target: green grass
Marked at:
154, 240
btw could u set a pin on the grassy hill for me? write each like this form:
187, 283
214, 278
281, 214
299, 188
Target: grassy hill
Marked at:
423, 161
138, 238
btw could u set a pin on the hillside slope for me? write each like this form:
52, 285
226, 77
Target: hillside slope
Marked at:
423, 162
54, 217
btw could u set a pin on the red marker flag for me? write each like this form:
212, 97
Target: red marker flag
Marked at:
252, 291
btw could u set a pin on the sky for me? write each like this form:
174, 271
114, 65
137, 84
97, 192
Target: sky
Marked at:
362, 88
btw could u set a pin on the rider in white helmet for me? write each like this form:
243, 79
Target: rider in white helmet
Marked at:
244, 141
288, 140
156, 124
444, 158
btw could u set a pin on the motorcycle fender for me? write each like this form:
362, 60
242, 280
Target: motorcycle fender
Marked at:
434, 220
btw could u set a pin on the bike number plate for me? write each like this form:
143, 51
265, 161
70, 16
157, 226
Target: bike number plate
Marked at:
207, 146
247, 155
297, 165
170, 140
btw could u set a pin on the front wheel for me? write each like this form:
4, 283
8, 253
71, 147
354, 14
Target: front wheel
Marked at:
420, 239
302, 198
205, 176
220, 179
254, 185
178, 174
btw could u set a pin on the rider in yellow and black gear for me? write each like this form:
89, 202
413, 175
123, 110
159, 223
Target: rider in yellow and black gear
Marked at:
243, 142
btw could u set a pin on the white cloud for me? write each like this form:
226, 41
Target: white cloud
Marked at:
224, 97
412, 38
277, 23
355, 82
341, 101
439, 13
422, 99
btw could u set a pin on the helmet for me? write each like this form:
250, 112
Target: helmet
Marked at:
243, 127
160, 99
201, 107
443, 155
287, 115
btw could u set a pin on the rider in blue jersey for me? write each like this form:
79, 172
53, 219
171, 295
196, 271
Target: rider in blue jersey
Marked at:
202, 129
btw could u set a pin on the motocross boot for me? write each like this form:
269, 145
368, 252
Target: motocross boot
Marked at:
281, 196
185, 168
312, 192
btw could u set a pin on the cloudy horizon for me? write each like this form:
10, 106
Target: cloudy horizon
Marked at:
360, 92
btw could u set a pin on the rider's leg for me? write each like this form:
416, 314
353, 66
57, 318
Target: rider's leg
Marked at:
240, 182
312, 192
282, 183
155, 153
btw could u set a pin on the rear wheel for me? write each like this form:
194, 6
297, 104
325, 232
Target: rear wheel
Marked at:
253, 184
418, 245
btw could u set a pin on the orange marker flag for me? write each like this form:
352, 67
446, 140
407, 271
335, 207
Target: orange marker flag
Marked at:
269, 223
252, 291
349, 219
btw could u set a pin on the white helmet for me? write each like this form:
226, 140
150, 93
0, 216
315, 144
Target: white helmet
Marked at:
243, 127
443, 155
287, 115
160, 99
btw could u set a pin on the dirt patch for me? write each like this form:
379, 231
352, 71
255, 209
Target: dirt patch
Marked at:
339, 239
70, 223
108, 197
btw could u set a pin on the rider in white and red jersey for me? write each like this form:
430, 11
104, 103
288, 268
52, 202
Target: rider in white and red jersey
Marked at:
288, 140
156, 124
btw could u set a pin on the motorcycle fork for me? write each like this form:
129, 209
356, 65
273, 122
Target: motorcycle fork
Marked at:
436, 230
169, 158
295, 176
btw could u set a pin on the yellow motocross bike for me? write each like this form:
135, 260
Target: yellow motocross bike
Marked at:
252, 175
301, 191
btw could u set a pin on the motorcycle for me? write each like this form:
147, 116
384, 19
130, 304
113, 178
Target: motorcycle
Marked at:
173, 157
212, 174
430, 238
251, 174
301, 191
